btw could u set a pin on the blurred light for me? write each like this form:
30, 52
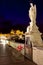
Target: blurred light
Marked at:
3, 40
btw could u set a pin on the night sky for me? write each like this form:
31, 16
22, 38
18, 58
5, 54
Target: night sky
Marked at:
14, 14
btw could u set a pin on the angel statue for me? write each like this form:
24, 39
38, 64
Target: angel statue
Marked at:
32, 12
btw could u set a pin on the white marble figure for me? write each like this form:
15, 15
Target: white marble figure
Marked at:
32, 29
32, 12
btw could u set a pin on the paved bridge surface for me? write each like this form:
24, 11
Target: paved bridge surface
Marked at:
5, 57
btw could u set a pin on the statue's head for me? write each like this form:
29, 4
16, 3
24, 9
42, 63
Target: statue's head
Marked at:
31, 4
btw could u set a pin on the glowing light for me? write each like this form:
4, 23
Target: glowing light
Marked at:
3, 40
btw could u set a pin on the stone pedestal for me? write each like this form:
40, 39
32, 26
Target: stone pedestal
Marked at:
38, 55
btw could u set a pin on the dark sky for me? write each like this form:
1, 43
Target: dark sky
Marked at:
14, 14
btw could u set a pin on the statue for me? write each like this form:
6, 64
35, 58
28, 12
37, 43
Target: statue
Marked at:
32, 29
32, 13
